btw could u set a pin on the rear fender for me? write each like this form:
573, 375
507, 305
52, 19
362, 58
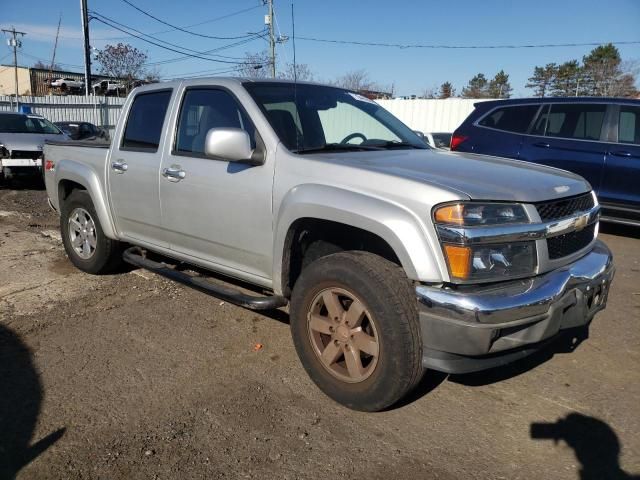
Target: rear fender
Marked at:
83, 175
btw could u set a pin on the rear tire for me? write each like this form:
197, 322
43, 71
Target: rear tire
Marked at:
367, 358
84, 240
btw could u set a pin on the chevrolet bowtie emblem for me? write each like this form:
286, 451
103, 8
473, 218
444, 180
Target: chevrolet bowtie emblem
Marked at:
581, 222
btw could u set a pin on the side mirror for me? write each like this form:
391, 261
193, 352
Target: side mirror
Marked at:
231, 144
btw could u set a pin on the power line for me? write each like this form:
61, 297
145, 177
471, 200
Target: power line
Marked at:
201, 57
461, 47
94, 13
224, 47
175, 27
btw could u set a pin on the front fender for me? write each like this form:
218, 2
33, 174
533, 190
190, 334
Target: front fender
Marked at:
400, 228
83, 175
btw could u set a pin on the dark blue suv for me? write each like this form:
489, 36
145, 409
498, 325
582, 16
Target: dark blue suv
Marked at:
598, 138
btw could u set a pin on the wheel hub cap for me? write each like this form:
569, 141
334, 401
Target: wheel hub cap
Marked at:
343, 335
82, 233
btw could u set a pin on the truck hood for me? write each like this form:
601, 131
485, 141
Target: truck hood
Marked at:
27, 141
479, 177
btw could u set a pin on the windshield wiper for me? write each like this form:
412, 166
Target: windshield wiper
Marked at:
397, 144
338, 147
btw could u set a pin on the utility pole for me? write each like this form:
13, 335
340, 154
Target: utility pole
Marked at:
15, 43
53, 57
268, 19
87, 49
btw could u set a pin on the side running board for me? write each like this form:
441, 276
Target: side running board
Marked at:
135, 256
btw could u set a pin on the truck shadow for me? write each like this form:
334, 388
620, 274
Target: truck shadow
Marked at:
20, 403
594, 442
567, 342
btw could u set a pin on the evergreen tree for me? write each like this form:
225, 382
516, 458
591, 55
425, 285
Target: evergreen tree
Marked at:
447, 90
542, 79
569, 80
476, 88
499, 86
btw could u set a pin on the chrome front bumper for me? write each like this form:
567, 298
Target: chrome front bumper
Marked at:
490, 321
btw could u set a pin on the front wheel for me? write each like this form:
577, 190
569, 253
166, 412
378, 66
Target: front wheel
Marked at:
354, 323
84, 240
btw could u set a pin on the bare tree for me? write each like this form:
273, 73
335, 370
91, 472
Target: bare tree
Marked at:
356, 80
301, 72
254, 65
122, 61
431, 92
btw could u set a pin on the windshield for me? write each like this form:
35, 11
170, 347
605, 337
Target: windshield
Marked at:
15, 123
315, 118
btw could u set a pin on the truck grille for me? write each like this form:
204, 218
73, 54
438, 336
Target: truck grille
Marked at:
26, 154
565, 207
571, 242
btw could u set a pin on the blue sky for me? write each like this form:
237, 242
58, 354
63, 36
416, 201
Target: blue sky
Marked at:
488, 22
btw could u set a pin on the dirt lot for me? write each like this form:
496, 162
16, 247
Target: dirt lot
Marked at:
131, 376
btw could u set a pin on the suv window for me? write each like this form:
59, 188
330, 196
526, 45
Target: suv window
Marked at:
511, 119
629, 125
144, 125
203, 109
580, 121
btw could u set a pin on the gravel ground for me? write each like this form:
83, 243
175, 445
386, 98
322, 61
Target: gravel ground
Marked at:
132, 376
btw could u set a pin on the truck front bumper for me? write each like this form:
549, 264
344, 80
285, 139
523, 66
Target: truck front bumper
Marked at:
479, 327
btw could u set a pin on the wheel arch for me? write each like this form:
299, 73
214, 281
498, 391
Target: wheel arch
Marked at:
322, 206
72, 176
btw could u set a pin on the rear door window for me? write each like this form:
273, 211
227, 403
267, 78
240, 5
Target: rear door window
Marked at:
511, 119
629, 125
146, 117
581, 121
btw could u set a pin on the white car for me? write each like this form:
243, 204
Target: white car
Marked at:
108, 87
440, 140
67, 83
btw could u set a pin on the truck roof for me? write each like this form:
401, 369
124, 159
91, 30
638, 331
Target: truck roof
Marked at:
222, 81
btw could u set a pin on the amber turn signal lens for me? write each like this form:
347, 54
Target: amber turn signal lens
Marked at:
450, 214
459, 260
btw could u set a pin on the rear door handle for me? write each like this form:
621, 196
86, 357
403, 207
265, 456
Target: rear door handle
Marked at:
621, 153
542, 145
119, 166
174, 173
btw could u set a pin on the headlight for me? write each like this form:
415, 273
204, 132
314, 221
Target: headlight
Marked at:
492, 262
469, 214
482, 261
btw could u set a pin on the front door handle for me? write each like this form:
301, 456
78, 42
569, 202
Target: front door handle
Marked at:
621, 153
119, 166
542, 145
174, 173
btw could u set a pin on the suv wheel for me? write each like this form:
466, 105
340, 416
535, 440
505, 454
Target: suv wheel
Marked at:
354, 323
84, 241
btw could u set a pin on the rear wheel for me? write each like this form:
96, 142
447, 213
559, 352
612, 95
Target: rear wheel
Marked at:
84, 240
354, 322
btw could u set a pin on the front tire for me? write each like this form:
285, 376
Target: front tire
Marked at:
354, 323
84, 240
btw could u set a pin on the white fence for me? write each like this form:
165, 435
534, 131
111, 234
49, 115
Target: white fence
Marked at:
101, 111
431, 115
426, 115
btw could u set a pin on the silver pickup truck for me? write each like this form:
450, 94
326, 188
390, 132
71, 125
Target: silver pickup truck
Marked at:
393, 257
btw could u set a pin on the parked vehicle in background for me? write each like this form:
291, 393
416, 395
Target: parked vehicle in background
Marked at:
82, 130
21, 139
67, 84
395, 257
109, 87
597, 138
440, 140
